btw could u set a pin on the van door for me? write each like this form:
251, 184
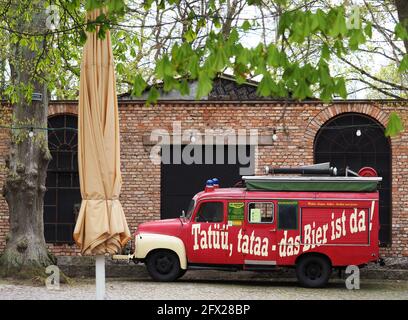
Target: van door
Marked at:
236, 229
258, 244
206, 238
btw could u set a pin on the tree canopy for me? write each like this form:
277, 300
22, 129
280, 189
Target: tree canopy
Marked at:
295, 48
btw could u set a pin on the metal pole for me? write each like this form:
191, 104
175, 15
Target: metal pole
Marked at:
100, 277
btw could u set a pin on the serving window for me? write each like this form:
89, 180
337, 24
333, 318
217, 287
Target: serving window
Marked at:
260, 212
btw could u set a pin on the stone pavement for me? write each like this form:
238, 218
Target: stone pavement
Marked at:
184, 289
395, 269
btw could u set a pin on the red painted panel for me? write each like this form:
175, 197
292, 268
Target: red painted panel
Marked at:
327, 226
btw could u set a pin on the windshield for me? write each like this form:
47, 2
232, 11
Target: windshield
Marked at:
190, 209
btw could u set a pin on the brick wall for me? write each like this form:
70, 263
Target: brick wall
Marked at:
296, 124
4, 136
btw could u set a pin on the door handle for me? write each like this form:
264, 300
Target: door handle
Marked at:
272, 230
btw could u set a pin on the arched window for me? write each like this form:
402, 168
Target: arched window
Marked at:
357, 140
63, 198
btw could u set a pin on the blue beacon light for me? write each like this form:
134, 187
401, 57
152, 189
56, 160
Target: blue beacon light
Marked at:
215, 182
209, 186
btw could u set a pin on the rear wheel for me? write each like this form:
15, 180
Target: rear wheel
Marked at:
163, 265
313, 271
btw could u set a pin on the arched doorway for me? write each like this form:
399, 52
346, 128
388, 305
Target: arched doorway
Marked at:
62, 199
357, 140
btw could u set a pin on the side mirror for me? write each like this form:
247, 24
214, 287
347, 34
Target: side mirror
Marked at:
183, 214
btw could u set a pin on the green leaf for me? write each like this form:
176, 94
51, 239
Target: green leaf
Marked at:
339, 26
321, 18
184, 88
193, 66
368, 29
24, 42
92, 4
190, 35
326, 94
139, 85
204, 85
302, 91
324, 74
147, 4
242, 55
274, 57
153, 96
339, 47
164, 67
341, 88
220, 59
284, 22
310, 73
254, 2
313, 21
246, 25
116, 6
170, 83
102, 31
357, 38
401, 32
266, 86
240, 79
325, 52
394, 126
403, 67
217, 22
161, 5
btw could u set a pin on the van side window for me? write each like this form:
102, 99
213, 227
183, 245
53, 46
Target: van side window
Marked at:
287, 215
260, 212
210, 212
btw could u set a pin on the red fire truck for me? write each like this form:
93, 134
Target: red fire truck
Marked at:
313, 221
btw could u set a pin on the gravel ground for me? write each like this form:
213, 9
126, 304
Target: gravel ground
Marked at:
119, 289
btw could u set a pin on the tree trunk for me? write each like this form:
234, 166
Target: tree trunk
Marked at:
2, 78
402, 8
24, 188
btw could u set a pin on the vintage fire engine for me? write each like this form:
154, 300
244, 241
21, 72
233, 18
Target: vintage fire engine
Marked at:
311, 220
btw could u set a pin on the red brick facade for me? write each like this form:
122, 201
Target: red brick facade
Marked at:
296, 125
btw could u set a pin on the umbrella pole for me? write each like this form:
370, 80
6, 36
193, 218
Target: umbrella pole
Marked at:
100, 277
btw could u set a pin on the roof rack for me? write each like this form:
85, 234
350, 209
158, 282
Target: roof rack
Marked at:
320, 177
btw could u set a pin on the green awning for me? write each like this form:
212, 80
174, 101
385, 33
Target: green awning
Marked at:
346, 186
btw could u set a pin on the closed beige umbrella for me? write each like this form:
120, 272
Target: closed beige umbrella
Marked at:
101, 226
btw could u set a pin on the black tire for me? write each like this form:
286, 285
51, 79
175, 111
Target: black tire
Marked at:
313, 271
182, 273
163, 265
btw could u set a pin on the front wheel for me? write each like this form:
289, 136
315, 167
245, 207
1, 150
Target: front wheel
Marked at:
313, 271
163, 265
182, 273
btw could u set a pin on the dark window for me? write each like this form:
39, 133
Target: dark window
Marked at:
63, 198
337, 142
210, 212
181, 181
287, 215
260, 212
